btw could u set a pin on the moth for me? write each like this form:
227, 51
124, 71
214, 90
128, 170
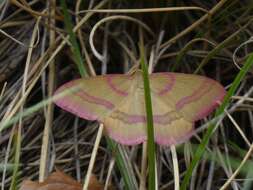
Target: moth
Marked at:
117, 101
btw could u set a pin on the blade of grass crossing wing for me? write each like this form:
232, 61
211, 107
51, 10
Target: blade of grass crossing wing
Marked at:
150, 128
201, 148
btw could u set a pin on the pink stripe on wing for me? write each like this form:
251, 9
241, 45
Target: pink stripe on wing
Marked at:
114, 88
162, 119
170, 84
215, 102
68, 104
95, 100
203, 88
128, 118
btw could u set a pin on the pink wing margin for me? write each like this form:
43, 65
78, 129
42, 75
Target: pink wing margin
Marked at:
93, 98
190, 97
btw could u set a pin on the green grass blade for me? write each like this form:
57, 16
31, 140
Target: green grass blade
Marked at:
201, 148
247, 184
150, 127
72, 37
124, 165
9, 167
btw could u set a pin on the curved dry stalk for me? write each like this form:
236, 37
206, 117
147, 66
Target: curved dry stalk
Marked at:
237, 49
110, 18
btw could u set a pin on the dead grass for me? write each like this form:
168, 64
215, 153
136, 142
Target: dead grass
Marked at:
35, 58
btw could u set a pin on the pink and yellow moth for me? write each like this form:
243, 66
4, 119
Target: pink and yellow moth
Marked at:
117, 100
